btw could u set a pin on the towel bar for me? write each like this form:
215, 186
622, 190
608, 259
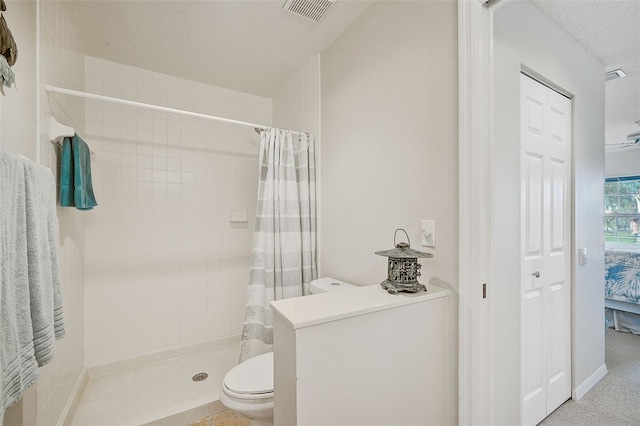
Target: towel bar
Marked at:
60, 145
55, 131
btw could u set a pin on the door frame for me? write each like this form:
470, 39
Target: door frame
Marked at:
475, 69
476, 110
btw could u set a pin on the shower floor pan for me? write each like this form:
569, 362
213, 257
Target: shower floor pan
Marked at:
160, 393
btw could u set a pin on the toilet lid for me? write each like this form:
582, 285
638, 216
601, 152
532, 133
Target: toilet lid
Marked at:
254, 376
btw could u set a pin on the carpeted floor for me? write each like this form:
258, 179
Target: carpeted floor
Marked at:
615, 400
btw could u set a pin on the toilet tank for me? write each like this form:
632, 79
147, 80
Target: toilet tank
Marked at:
324, 285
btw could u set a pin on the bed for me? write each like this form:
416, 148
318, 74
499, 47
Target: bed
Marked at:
622, 288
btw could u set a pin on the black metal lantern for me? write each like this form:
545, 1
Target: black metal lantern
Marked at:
404, 269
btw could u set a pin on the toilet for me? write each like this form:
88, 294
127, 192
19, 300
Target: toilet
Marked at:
248, 387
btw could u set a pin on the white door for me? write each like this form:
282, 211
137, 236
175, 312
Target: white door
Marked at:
546, 249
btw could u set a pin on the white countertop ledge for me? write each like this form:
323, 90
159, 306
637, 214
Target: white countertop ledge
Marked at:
316, 309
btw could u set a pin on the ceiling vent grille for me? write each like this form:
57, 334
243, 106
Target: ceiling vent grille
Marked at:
313, 10
614, 75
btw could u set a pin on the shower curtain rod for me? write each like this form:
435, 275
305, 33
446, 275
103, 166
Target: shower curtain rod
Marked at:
87, 95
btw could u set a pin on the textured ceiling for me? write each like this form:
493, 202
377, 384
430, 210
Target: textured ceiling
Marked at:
610, 30
249, 46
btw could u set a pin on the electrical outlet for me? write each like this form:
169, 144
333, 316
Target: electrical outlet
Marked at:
428, 233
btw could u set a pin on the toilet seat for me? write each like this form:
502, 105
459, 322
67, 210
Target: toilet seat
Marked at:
252, 379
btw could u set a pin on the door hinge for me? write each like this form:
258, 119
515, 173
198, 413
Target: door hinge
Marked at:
484, 290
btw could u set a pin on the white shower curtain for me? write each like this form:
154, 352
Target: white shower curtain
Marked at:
283, 260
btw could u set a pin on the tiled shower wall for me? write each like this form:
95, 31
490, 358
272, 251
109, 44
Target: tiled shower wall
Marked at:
164, 266
61, 61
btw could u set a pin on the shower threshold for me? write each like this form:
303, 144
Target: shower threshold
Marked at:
160, 393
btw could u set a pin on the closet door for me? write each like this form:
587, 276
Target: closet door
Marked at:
546, 124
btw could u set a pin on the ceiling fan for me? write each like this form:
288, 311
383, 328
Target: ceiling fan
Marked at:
633, 140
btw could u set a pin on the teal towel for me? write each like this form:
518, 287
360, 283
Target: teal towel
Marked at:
76, 189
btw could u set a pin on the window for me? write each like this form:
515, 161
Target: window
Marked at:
622, 210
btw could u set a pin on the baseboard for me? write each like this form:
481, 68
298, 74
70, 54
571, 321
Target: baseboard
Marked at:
591, 381
66, 417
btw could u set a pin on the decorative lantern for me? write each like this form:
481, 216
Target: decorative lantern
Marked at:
404, 268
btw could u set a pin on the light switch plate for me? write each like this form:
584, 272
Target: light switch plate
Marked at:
428, 233
583, 255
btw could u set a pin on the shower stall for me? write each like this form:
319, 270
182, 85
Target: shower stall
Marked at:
165, 269
164, 266
155, 276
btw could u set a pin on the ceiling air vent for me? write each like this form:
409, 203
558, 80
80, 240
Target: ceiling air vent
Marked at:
313, 10
614, 75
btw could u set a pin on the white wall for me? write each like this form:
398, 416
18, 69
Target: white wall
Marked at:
389, 121
18, 132
523, 35
389, 139
164, 266
296, 105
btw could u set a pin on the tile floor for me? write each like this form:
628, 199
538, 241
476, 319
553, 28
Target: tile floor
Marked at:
156, 391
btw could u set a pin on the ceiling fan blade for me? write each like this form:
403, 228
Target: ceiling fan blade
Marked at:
619, 146
633, 140
622, 144
634, 137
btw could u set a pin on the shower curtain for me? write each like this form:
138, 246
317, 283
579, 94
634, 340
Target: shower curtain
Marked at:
283, 260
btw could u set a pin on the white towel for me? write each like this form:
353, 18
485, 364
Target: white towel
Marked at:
18, 366
42, 253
